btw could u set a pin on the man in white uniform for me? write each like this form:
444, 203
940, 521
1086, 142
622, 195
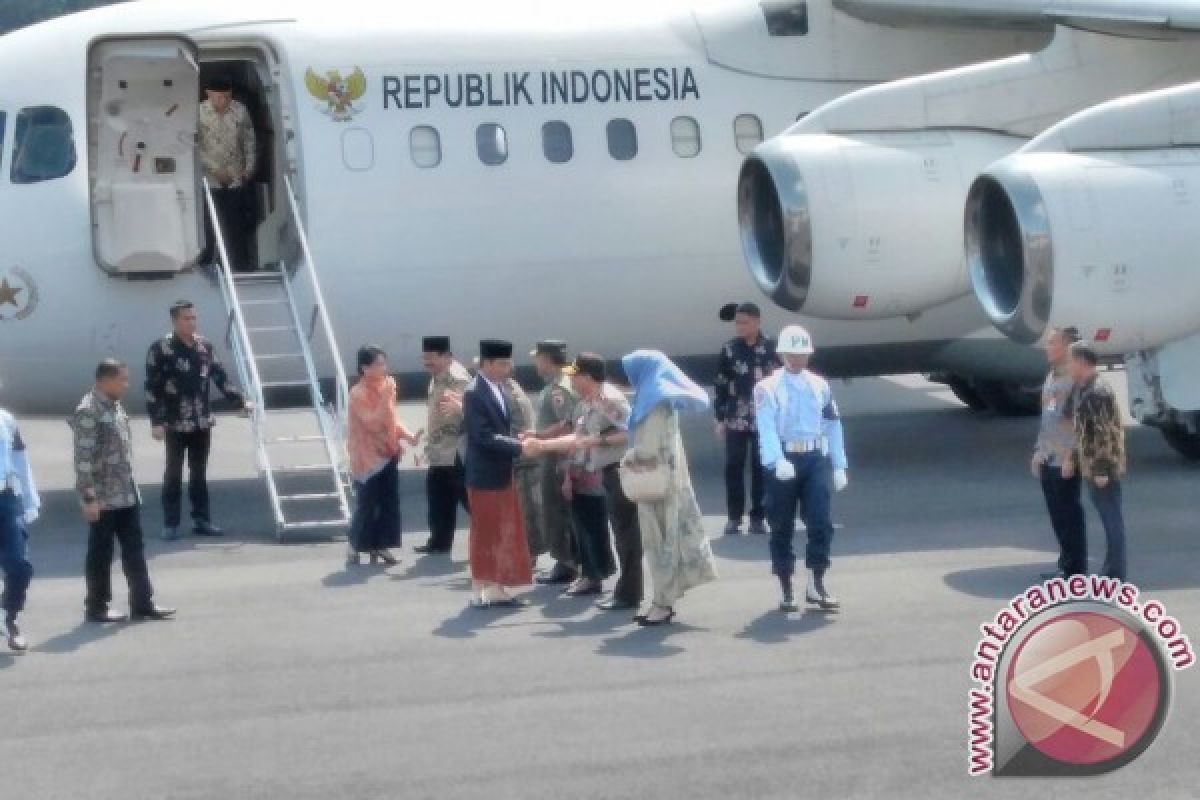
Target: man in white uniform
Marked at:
800, 432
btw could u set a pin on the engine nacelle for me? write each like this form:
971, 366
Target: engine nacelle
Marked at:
865, 226
1104, 241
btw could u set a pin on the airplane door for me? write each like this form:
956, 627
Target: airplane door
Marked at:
143, 98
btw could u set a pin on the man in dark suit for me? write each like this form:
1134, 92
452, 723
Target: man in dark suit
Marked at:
498, 553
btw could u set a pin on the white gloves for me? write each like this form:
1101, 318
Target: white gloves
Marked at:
785, 470
30, 516
840, 479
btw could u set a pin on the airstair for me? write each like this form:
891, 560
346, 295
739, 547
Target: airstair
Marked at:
276, 320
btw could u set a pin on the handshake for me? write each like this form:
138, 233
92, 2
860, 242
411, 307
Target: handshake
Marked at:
531, 446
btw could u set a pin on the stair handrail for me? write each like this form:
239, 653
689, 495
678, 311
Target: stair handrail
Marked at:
341, 384
243, 356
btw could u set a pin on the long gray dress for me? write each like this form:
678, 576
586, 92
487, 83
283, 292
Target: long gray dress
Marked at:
673, 537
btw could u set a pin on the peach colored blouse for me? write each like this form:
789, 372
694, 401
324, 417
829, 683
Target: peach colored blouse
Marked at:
374, 432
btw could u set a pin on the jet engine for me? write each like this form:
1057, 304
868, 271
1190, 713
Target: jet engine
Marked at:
1103, 241
862, 226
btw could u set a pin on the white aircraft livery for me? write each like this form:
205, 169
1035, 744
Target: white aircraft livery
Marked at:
1076, 169
518, 169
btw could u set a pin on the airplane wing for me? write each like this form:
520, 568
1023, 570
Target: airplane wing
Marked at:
1149, 19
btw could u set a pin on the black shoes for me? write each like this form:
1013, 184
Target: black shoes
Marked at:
205, 528
152, 613
816, 595
757, 527
561, 573
16, 642
430, 550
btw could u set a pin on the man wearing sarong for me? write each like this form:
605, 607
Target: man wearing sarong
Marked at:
497, 549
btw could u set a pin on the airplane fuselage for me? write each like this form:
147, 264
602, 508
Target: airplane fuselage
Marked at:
607, 217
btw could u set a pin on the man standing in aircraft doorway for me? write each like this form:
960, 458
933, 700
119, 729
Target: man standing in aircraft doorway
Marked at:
179, 370
745, 360
229, 157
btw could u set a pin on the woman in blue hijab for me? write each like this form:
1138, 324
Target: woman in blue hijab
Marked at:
673, 537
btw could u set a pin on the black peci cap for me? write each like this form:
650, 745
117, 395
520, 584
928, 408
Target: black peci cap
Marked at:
555, 349
588, 364
494, 348
435, 344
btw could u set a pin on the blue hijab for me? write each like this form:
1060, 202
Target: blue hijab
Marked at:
656, 379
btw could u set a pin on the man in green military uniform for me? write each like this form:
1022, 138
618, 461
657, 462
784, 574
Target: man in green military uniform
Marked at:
445, 488
527, 470
555, 414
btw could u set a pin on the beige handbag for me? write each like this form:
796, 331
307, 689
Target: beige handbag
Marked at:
644, 478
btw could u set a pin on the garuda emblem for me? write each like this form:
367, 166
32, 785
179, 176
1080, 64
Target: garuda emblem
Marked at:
337, 94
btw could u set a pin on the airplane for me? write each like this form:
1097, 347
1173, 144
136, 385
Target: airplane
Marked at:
522, 169
1055, 187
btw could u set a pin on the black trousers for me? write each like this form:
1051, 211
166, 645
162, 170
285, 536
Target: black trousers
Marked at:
122, 525
590, 515
376, 523
235, 210
740, 445
1064, 502
445, 491
193, 447
627, 536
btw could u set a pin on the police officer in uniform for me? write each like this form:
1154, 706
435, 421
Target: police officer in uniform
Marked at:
19, 507
445, 487
555, 416
799, 433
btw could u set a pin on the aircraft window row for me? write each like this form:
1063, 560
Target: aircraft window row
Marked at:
43, 145
558, 144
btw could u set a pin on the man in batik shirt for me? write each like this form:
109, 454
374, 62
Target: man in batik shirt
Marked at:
179, 370
745, 360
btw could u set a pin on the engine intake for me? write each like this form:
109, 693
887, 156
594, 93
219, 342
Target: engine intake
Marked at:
865, 226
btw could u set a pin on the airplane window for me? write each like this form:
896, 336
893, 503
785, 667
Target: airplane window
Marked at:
685, 137
622, 139
492, 142
43, 145
358, 149
425, 145
748, 132
786, 17
556, 142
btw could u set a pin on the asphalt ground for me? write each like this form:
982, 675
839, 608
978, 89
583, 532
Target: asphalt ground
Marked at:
286, 675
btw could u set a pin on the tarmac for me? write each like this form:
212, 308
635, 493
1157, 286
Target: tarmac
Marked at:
286, 675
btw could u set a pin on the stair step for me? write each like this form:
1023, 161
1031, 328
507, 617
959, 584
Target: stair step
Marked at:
245, 303
278, 356
313, 496
295, 439
299, 469
272, 329
314, 524
287, 384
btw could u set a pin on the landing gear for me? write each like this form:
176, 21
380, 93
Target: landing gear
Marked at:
1009, 399
1003, 398
1183, 441
966, 393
